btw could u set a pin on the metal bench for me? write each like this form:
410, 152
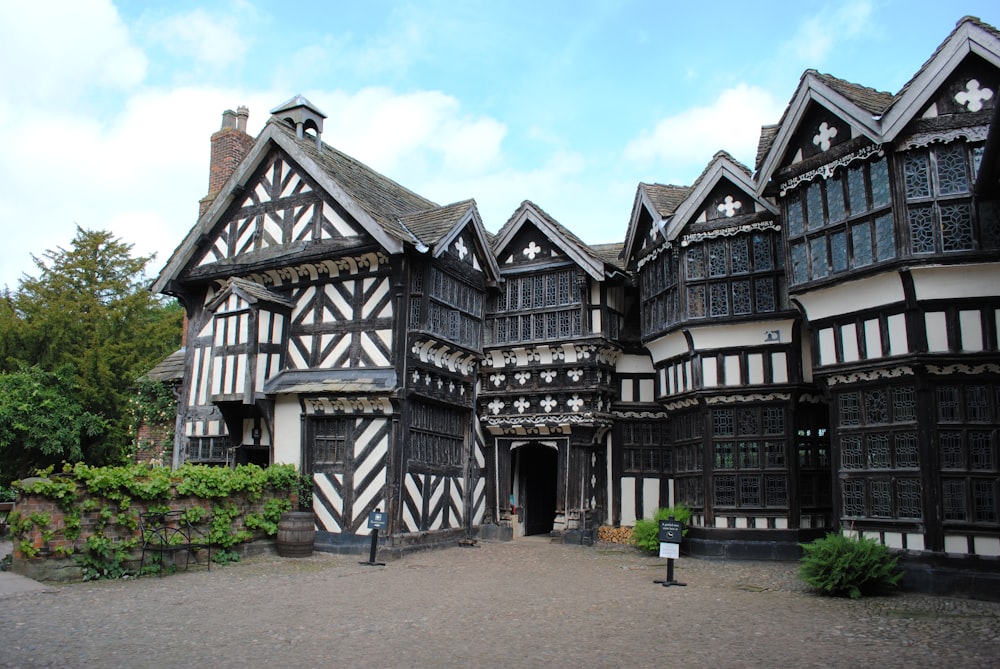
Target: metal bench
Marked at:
171, 533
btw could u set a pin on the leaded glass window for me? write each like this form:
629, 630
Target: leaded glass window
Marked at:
848, 222
554, 308
940, 215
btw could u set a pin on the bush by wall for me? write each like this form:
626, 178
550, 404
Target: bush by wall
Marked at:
646, 533
90, 515
841, 566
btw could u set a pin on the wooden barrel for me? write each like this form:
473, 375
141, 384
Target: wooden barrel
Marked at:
296, 534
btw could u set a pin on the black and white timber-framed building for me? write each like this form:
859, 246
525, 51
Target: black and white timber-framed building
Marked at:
804, 346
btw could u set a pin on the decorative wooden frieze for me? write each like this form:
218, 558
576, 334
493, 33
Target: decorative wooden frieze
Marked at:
551, 354
873, 375
751, 397
316, 271
826, 171
641, 415
987, 368
919, 140
654, 254
445, 356
811, 398
729, 232
346, 405
680, 404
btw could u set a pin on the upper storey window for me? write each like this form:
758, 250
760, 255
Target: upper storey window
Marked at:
734, 276
840, 224
658, 286
938, 183
454, 308
537, 306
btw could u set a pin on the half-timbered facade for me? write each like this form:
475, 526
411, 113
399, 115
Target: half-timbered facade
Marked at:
807, 346
335, 322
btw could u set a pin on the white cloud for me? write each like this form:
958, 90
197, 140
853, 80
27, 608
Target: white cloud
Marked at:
818, 35
55, 51
214, 42
409, 132
681, 145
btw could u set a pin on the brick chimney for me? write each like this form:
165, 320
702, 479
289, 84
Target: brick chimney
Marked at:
229, 146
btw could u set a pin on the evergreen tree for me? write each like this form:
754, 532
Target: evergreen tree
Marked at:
89, 308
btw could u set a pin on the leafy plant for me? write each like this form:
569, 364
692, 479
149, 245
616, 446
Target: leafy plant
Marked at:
837, 565
646, 533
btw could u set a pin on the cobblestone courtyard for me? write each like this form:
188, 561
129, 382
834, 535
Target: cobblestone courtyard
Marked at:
527, 603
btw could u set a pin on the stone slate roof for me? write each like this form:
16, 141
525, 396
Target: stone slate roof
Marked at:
170, 369
665, 197
259, 293
432, 224
332, 381
609, 253
382, 198
872, 101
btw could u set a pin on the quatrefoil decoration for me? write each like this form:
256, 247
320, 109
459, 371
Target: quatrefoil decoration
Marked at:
826, 134
973, 97
730, 206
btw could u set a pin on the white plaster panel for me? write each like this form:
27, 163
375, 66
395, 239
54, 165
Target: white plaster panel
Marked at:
937, 332
650, 496
914, 542
287, 430
741, 523
709, 373
827, 347
626, 390
897, 335
668, 346
873, 339
779, 368
894, 539
949, 282
986, 545
687, 376
633, 364
849, 340
970, 323
732, 363
956, 543
852, 296
671, 375
781, 523
628, 500
755, 369
721, 521
750, 334
595, 320
646, 390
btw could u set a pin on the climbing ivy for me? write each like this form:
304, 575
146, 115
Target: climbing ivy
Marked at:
107, 494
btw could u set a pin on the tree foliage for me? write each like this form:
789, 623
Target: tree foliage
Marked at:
41, 423
88, 307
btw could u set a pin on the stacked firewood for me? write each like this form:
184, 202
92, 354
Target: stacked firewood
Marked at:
614, 535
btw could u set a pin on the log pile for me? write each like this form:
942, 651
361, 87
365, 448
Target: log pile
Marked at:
615, 535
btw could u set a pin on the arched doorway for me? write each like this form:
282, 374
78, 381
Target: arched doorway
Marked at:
534, 467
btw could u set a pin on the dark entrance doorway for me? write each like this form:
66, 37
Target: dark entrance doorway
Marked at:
534, 482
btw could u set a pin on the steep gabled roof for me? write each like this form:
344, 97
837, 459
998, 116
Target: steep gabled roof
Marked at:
722, 167
436, 228
660, 201
377, 202
250, 291
567, 242
855, 104
970, 36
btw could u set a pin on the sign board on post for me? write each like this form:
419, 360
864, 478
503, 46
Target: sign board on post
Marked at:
377, 520
671, 531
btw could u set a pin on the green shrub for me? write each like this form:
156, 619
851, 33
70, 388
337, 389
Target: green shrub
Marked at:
646, 533
839, 566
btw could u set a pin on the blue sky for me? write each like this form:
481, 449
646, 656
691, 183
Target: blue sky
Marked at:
105, 117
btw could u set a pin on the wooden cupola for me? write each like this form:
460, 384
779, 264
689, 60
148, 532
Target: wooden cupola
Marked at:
301, 115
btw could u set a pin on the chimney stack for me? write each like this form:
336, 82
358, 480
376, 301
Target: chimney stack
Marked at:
229, 146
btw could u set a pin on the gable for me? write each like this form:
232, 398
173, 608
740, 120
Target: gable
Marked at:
818, 131
971, 88
466, 248
530, 246
280, 206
